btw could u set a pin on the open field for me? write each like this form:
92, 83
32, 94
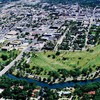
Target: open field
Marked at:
61, 64
67, 60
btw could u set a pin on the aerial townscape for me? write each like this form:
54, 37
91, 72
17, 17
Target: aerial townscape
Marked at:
49, 49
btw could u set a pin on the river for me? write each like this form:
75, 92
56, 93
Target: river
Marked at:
56, 85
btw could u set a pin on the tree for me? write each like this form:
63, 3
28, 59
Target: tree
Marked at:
13, 91
57, 53
53, 56
86, 97
50, 95
4, 57
6, 93
27, 33
26, 65
76, 72
84, 71
49, 79
97, 96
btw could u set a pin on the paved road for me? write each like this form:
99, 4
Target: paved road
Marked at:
91, 22
60, 40
6, 68
71, 48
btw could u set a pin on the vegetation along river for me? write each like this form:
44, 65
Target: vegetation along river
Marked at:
56, 85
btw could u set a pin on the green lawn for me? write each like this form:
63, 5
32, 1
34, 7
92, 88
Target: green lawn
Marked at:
81, 59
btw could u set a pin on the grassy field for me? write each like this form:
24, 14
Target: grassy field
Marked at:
67, 60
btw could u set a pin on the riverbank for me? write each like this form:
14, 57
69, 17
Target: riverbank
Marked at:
91, 76
56, 85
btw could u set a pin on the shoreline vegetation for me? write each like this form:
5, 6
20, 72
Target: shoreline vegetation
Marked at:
72, 83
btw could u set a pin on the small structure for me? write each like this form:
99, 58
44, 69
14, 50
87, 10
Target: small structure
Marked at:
64, 93
15, 43
11, 35
1, 90
6, 48
92, 92
35, 91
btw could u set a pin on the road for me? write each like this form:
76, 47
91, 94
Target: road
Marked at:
91, 22
71, 48
60, 40
6, 68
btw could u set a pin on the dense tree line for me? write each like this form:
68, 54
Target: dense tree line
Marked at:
16, 89
82, 91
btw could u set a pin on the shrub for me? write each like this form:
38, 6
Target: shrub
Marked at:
64, 58
53, 56
57, 53
4, 57
49, 56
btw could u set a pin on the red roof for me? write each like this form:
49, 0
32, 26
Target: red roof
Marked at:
92, 92
35, 90
33, 95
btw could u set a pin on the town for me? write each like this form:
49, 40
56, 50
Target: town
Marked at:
21, 24
51, 44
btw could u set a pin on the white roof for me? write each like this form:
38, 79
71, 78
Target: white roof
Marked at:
1, 90
24, 44
64, 92
48, 33
12, 33
44, 37
10, 37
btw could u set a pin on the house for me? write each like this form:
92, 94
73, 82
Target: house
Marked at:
11, 35
45, 38
64, 93
30, 37
16, 43
36, 32
20, 28
57, 34
6, 48
35, 91
1, 90
86, 22
92, 92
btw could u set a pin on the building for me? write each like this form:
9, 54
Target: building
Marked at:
11, 34
6, 48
